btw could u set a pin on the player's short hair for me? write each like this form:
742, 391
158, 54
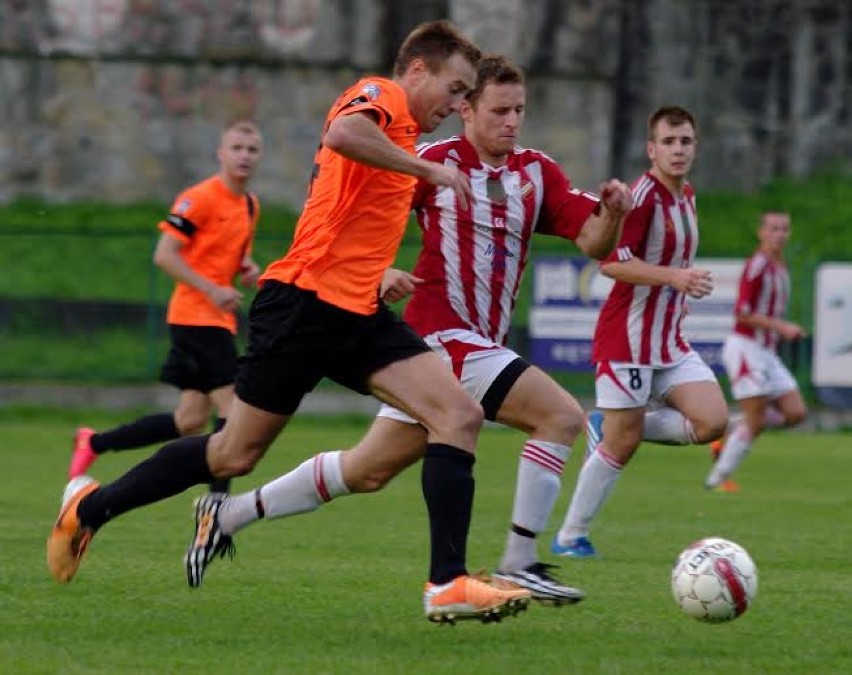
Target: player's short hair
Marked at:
674, 115
766, 215
434, 42
494, 69
242, 124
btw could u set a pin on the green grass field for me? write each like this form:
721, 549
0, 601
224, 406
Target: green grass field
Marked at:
339, 591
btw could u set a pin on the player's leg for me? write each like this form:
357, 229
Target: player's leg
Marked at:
424, 388
527, 399
221, 399
200, 358
695, 409
738, 442
622, 392
388, 447
791, 407
271, 386
174, 468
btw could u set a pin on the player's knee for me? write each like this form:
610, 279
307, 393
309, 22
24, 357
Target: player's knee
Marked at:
466, 415
562, 425
710, 429
190, 422
795, 417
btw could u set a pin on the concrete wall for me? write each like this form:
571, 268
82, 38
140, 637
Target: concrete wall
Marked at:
123, 99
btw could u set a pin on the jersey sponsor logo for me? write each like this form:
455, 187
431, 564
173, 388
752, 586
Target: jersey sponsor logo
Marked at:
372, 91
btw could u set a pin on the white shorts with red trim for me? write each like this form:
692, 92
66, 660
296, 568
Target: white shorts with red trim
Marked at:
475, 360
620, 385
755, 370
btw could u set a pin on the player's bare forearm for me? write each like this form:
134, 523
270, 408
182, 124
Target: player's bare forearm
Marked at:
787, 329
638, 272
600, 234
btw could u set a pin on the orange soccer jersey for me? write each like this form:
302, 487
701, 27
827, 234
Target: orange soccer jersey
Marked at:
355, 216
216, 227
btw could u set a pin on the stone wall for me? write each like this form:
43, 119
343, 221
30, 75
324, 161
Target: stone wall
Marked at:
123, 99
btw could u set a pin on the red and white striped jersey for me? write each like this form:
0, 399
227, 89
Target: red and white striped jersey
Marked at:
641, 324
764, 289
472, 259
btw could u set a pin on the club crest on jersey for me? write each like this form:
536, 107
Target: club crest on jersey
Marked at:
183, 206
495, 191
526, 188
669, 225
372, 91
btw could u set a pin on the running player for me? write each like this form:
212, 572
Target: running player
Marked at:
638, 348
464, 286
764, 388
205, 244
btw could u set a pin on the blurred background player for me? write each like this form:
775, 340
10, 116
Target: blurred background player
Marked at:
205, 244
763, 387
465, 285
638, 347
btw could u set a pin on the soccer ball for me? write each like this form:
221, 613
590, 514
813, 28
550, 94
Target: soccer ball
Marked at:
714, 580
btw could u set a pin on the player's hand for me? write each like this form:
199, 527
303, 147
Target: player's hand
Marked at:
450, 176
791, 331
226, 298
249, 273
695, 282
616, 197
397, 284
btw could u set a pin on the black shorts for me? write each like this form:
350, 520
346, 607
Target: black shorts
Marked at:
296, 339
201, 358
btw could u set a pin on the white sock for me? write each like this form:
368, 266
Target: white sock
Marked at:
736, 448
596, 480
539, 480
668, 426
305, 488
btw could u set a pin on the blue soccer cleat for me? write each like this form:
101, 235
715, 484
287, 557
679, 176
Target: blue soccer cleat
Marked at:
594, 431
580, 547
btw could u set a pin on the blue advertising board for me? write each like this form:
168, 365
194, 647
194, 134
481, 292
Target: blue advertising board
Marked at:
568, 293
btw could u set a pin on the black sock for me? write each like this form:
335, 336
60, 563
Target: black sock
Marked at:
171, 470
220, 484
447, 481
144, 431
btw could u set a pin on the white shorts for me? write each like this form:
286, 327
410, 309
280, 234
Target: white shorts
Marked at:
475, 360
755, 370
620, 385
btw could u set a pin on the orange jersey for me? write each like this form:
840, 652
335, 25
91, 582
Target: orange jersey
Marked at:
216, 227
355, 216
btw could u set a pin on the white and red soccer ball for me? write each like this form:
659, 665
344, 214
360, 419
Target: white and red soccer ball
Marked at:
714, 580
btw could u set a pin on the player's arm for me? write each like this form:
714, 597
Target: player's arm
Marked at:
249, 271
357, 137
787, 329
692, 281
602, 230
168, 258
